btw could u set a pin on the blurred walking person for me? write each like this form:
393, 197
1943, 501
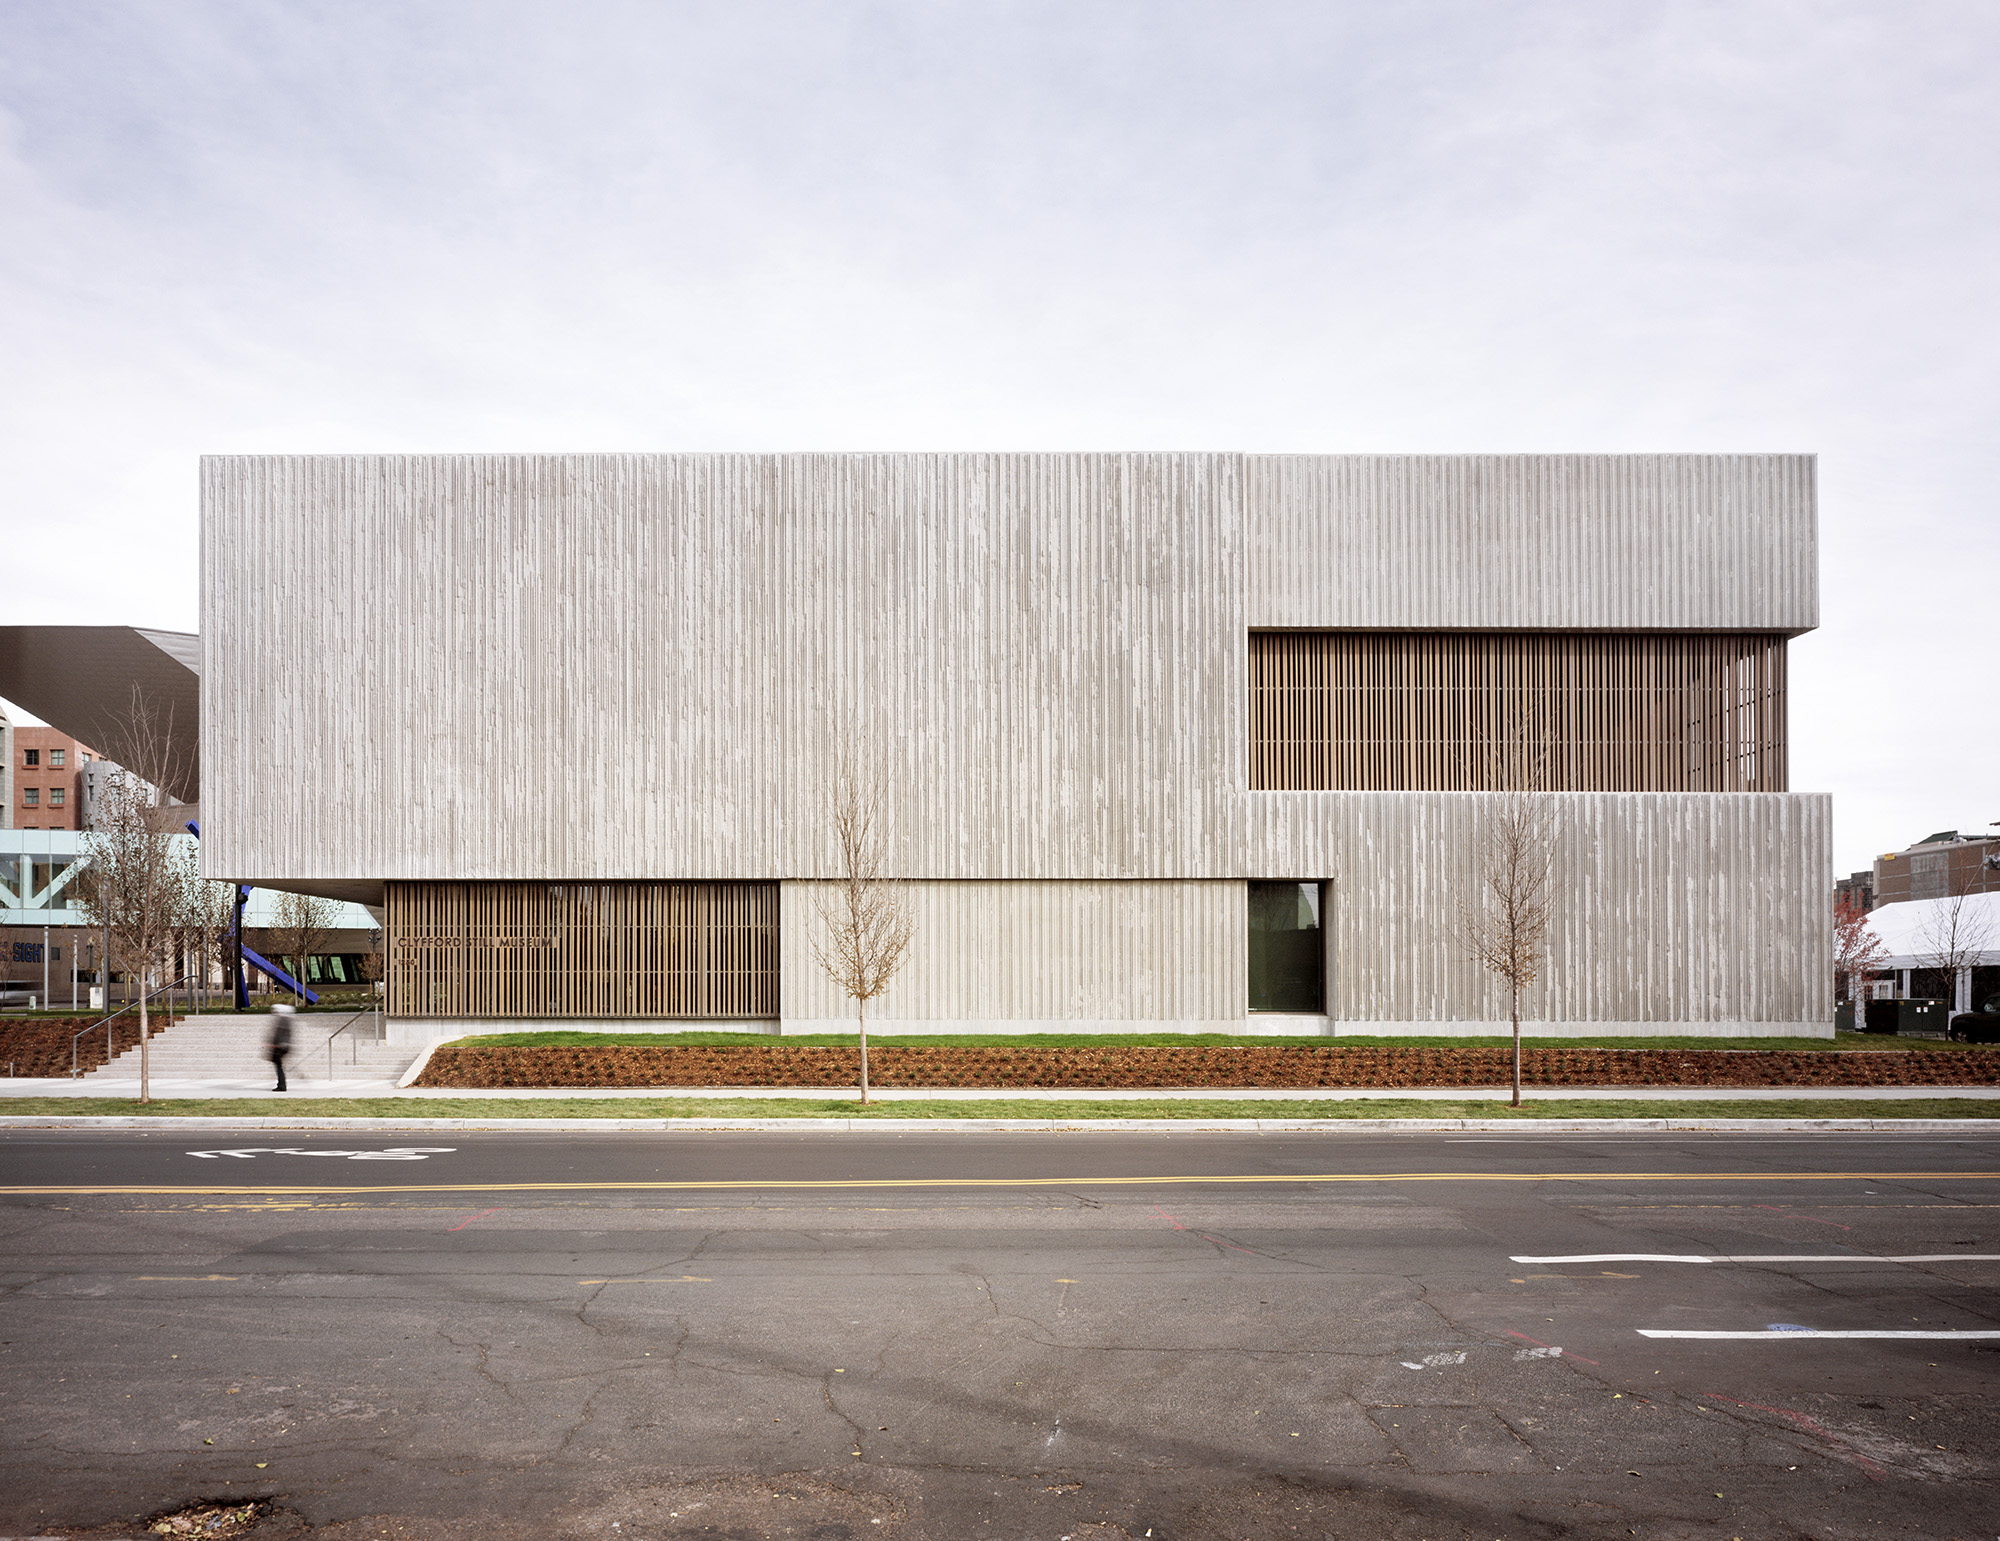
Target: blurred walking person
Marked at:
279, 1044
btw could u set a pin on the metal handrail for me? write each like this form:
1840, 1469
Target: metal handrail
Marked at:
369, 1012
105, 1023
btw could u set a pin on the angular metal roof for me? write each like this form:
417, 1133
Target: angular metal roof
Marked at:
80, 679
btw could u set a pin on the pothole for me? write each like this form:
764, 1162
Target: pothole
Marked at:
209, 1519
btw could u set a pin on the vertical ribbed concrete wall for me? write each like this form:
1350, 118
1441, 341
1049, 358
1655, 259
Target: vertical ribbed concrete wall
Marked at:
1063, 956
1671, 907
636, 666
1049, 648
1675, 911
1528, 542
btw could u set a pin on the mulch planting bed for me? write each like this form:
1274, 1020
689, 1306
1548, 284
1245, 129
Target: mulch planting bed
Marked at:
1235, 1067
40, 1045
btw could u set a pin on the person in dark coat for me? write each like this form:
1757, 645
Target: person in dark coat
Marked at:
279, 1044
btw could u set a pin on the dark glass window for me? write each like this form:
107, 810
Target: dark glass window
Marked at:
1287, 948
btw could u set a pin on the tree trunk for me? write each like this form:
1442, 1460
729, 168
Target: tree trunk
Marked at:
145, 1046
861, 1018
1514, 999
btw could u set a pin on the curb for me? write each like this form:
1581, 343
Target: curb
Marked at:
1046, 1125
417, 1066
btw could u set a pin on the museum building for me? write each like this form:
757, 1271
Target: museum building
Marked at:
1172, 742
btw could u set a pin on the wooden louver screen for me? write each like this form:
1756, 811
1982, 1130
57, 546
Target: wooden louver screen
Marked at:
482, 949
1494, 711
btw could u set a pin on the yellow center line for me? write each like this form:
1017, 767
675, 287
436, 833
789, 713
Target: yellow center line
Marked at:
774, 1183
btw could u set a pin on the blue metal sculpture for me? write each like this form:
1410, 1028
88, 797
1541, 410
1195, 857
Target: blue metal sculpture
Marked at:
244, 954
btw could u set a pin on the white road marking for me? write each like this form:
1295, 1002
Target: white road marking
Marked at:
1436, 1361
1817, 1331
1814, 1332
1536, 1353
1614, 1257
394, 1153
1765, 1257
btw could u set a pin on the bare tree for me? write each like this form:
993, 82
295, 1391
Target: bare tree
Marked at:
1506, 918
204, 920
371, 964
1952, 938
864, 915
304, 923
1857, 952
139, 875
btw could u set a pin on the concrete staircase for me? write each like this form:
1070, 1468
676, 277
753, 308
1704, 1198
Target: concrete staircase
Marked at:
231, 1048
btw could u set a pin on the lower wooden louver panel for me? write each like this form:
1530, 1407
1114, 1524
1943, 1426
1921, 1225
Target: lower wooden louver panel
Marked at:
614, 949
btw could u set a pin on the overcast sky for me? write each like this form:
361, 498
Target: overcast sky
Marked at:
1321, 228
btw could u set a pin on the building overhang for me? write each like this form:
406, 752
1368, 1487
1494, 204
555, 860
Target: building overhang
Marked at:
81, 680
366, 892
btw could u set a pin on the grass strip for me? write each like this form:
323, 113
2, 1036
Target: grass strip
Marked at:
997, 1107
702, 1039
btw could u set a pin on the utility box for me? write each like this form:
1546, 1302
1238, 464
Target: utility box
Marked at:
1907, 1017
97, 997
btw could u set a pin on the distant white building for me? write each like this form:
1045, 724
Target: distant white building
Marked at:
1916, 930
102, 777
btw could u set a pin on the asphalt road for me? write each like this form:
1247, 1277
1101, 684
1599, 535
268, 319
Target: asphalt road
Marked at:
1082, 1336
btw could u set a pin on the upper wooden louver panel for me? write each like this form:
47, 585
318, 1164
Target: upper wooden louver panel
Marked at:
1496, 711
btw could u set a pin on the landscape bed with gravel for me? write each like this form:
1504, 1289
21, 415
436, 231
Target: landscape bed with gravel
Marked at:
1235, 1066
41, 1046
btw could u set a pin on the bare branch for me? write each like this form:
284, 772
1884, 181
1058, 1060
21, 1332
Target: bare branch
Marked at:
143, 747
864, 915
1952, 938
1857, 952
1505, 919
304, 922
140, 885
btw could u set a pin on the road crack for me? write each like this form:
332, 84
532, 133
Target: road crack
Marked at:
484, 1367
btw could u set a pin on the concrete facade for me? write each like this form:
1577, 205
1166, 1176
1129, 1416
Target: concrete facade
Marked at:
1533, 542
635, 666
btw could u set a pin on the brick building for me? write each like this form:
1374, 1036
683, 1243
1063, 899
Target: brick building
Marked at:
46, 769
1938, 867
